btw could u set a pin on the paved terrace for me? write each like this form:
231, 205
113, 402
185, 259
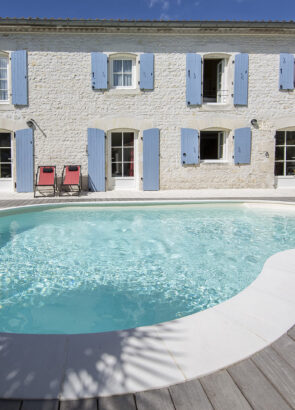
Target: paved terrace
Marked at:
266, 380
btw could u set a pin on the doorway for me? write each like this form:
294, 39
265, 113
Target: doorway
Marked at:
6, 178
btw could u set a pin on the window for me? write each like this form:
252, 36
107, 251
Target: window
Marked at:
5, 155
3, 79
285, 153
212, 145
122, 154
123, 72
214, 84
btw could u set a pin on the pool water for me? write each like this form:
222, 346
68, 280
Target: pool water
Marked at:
82, 269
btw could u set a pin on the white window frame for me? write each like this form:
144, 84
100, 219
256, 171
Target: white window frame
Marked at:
221, 134
6, 55
224, 94
284, 161
122, 57
121, 183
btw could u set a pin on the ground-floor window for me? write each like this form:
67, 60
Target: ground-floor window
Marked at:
5, 156
285, 153
122, 153
212, 145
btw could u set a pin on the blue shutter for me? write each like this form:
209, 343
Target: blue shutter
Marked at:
24, 160
19, 77
286, 71
193, 79
189, 146
147, 71
242, 145
241, 79
151, 159
99, 66
96, 159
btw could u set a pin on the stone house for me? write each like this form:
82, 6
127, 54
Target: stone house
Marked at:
148, 105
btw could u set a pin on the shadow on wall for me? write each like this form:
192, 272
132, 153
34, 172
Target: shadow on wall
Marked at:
86, 365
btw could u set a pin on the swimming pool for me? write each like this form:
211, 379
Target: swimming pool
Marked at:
87, 269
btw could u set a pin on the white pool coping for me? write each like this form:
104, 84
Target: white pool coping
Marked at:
102, 364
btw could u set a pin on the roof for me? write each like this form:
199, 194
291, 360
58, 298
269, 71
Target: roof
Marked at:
98, 25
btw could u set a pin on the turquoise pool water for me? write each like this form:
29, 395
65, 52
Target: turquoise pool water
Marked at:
81, 269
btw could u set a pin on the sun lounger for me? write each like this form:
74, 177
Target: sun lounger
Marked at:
71, 179
45, 180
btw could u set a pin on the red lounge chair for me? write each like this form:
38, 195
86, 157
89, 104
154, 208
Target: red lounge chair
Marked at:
71, 178
45, 178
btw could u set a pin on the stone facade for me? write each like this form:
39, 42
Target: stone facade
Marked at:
64, 105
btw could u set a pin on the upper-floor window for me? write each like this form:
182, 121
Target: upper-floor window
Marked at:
212, 145
285, 153
3, 79
123, 72
215, 87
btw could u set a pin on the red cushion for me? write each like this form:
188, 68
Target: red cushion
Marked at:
46, 178
72, 177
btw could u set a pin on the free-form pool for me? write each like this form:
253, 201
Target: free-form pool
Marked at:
84, 269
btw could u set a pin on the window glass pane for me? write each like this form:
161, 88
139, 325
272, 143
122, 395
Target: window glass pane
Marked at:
116, 154
290, 168
209, 145
3, 84
128, 139
117, 66
3, 62
280, 138
128, 154
127, 66
116, 139
4, 140
279, 168
5, 171
127, 80
280, 153
5, 155
290, 138
128, 169
116, 170
118, 80
3, 95
290, 154
3, 73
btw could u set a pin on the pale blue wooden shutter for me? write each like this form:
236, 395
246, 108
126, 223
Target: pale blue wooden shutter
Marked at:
24, 160
151, 159
242, 139
147, 71
286, 78
99, 66
241, 79
193, 79
96, 159
189, 146
19, 77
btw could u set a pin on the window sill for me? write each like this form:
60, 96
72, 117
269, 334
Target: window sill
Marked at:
6, 107
216, 107
122, 91
213, 161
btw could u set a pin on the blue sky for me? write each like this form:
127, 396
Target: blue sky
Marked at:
153, 9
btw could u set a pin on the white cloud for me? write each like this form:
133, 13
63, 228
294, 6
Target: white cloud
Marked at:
164, 16
178, 2
165, 5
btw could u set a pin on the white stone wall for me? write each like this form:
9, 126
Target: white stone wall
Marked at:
64, 105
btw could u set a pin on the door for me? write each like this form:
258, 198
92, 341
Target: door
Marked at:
220, 81
6, 180
122, 148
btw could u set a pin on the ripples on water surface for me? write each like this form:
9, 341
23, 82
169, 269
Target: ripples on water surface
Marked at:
92, 269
